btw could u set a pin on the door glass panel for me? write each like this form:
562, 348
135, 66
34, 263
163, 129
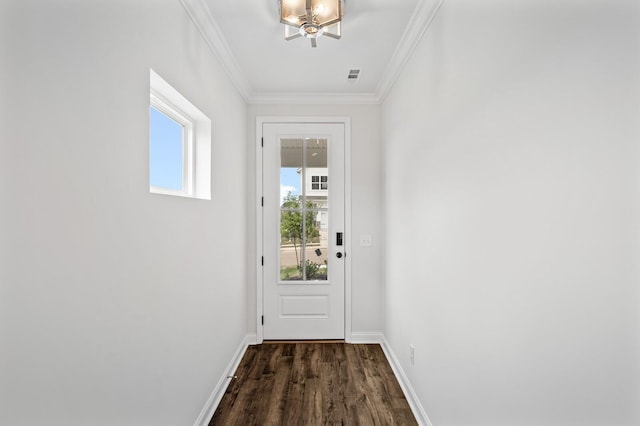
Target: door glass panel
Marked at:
304, 217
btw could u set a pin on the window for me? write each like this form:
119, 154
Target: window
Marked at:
319, 182
179, 144
170, 149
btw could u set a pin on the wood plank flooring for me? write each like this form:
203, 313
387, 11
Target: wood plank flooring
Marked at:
313, 384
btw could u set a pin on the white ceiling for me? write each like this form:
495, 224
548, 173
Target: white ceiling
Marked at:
249, 39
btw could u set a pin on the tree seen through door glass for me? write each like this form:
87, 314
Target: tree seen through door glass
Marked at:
303, 210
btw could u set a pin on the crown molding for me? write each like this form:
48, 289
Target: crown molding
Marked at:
315, 98
423, 16
202, 18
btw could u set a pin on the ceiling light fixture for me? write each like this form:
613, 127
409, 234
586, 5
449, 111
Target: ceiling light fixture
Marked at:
311, 18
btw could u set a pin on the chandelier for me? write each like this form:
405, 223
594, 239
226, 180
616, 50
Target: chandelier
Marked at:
311, 18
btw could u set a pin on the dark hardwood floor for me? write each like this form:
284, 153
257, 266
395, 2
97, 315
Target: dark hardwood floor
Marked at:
313, 384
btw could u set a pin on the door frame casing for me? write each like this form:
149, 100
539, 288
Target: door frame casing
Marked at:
346, 121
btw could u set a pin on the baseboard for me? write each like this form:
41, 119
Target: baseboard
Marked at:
367, 337
416, 407
251, 339
220, 388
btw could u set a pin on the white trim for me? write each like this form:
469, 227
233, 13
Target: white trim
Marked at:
347, 229
365, 338
315, 98
218, 391
416, 407
423, 16
201, 16
158, 190
419, 23
196, 180
346, 121
172, 112
259, 244
250, 339
164, 105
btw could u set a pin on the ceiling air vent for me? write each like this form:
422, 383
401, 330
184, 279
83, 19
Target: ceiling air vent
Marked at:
353, 74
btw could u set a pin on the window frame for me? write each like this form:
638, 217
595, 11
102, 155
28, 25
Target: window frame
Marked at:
197, 139
169, 109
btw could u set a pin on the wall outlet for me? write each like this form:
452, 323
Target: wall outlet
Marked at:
412, 353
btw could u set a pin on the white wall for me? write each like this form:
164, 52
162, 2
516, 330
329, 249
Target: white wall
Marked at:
511, 194
117, 306
366, 207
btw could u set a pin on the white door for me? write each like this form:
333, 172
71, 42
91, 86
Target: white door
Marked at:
303, 230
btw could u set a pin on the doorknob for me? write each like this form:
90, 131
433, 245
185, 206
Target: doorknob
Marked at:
339, 255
